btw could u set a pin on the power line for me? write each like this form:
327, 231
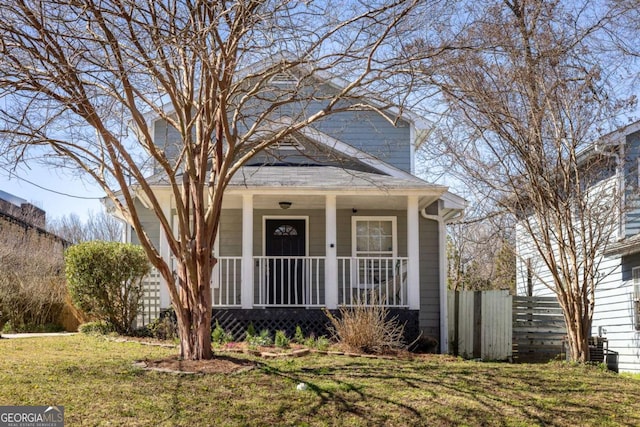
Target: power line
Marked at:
48, 189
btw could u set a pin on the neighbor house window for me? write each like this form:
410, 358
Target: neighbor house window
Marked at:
636, 297
374, 246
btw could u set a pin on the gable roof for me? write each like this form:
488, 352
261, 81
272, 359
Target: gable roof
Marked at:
325, 178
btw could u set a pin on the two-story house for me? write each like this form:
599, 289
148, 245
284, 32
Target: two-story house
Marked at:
617, 294
333, 216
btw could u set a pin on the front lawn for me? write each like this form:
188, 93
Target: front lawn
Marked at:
97, 383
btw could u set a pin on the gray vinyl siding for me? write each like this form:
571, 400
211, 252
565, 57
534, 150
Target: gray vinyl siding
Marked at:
167, 138
429, 279
632, 196
230, 233
614, 313
373, 134
367, 131
150, 224
308, 154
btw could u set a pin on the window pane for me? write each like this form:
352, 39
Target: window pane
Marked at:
387, 244
362, 228
362, 244
374, 237
285, 230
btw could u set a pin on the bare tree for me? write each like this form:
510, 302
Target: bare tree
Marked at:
480, 254
527, 94
98, 226
231, 78
32, 285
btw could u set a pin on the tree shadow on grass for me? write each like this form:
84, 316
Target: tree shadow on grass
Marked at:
346, 396
473, 394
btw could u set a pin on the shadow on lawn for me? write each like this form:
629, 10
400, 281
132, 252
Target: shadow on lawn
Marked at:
482, 396
351, 397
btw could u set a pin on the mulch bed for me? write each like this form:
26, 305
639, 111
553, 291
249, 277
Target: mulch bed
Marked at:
217, 365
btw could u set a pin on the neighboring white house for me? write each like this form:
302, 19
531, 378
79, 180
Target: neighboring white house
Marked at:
617, 298
322, 219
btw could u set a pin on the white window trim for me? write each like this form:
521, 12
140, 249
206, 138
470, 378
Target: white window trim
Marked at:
394, 232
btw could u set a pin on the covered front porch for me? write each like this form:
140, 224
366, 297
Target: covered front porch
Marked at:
298, 281
318, 250
297, 239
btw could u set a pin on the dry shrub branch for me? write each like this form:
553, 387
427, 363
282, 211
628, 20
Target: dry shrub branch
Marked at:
367, 328
32, 285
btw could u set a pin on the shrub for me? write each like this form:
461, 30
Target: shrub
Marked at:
298, 337
105, 280
9, 327
99, 327
262, 340
366, 328
251, 332
322, 343
219, 335
163, 328
281, 340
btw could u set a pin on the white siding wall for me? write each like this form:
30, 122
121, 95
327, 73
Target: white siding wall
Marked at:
613, 315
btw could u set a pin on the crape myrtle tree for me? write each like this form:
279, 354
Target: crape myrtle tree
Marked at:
526, 90
230, 77
480, 252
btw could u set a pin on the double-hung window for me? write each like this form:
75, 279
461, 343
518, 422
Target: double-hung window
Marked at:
374, 248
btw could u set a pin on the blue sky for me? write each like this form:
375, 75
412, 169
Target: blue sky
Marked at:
52, 190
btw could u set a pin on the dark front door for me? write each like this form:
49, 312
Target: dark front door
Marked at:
285, 239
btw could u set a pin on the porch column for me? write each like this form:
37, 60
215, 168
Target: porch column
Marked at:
246, 298
165, 252
413, 253
331, 251
215, 273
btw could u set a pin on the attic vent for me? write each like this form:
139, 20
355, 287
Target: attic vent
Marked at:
289, 144
283, 79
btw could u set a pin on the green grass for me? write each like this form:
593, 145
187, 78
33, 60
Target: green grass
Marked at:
98, 385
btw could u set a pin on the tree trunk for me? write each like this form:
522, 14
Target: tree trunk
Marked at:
195, 335
578, 333
194, 314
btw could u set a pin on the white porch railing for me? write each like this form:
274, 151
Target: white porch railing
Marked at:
300, 281
227, 281
289, 281
373, 280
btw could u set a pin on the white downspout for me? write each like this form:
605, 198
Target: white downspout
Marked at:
442, 243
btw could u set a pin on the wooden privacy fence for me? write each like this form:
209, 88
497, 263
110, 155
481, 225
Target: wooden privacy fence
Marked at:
480, 324
538, 329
